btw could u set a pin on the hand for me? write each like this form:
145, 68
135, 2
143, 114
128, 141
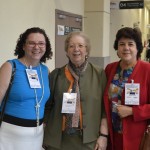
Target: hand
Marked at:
44, 125
44, 147
101, 143
124, 111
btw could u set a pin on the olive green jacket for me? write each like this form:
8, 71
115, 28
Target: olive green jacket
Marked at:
91, 83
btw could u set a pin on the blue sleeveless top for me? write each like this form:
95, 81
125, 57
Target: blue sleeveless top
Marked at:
22, 99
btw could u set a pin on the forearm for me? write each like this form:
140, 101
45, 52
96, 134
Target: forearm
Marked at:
101, 143
104, 127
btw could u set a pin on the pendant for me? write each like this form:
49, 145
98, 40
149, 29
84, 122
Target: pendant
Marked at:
37, 106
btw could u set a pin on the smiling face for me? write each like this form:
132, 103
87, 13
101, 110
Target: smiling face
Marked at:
77, 51
34, 47
127, 50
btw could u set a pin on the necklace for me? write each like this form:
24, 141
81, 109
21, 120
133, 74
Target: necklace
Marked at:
38, 102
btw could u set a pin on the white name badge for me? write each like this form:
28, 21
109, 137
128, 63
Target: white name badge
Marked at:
132, 92
33, 78
69, 103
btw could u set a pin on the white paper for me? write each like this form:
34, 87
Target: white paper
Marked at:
33, 78
69, 103
132, 92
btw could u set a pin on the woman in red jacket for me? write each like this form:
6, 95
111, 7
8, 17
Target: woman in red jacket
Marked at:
127, 94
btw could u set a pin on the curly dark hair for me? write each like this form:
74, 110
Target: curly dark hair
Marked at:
22, 40
131, 33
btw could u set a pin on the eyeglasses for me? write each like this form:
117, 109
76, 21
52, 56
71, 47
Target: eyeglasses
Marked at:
33, 44
73, 46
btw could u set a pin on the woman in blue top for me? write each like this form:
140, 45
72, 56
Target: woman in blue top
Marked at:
22, 126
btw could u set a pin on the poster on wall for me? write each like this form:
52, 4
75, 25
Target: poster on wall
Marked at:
60, 29
67, 30
64, 30
75, 29
133, 4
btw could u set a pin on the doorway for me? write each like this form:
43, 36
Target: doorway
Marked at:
65, 22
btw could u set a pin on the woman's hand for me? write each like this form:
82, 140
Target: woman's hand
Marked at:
101, 143
124, 111
44, 147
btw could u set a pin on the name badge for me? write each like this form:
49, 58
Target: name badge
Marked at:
69, 103
33, 78
132, 92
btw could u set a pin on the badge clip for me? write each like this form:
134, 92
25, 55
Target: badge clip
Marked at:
132, 81
30, 67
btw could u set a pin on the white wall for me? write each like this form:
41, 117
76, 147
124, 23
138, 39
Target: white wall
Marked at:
122, 18
18, 15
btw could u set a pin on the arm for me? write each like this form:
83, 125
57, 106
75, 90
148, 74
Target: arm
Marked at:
5, 75
52, 79
104, 126
101, 143
48, 105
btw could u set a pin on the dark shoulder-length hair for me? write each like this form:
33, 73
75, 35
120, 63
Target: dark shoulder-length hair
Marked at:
22, 40
131, 33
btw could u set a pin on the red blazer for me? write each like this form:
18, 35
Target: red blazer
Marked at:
135, 125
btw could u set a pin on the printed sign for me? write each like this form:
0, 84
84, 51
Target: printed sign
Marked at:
131, 4
127, 4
